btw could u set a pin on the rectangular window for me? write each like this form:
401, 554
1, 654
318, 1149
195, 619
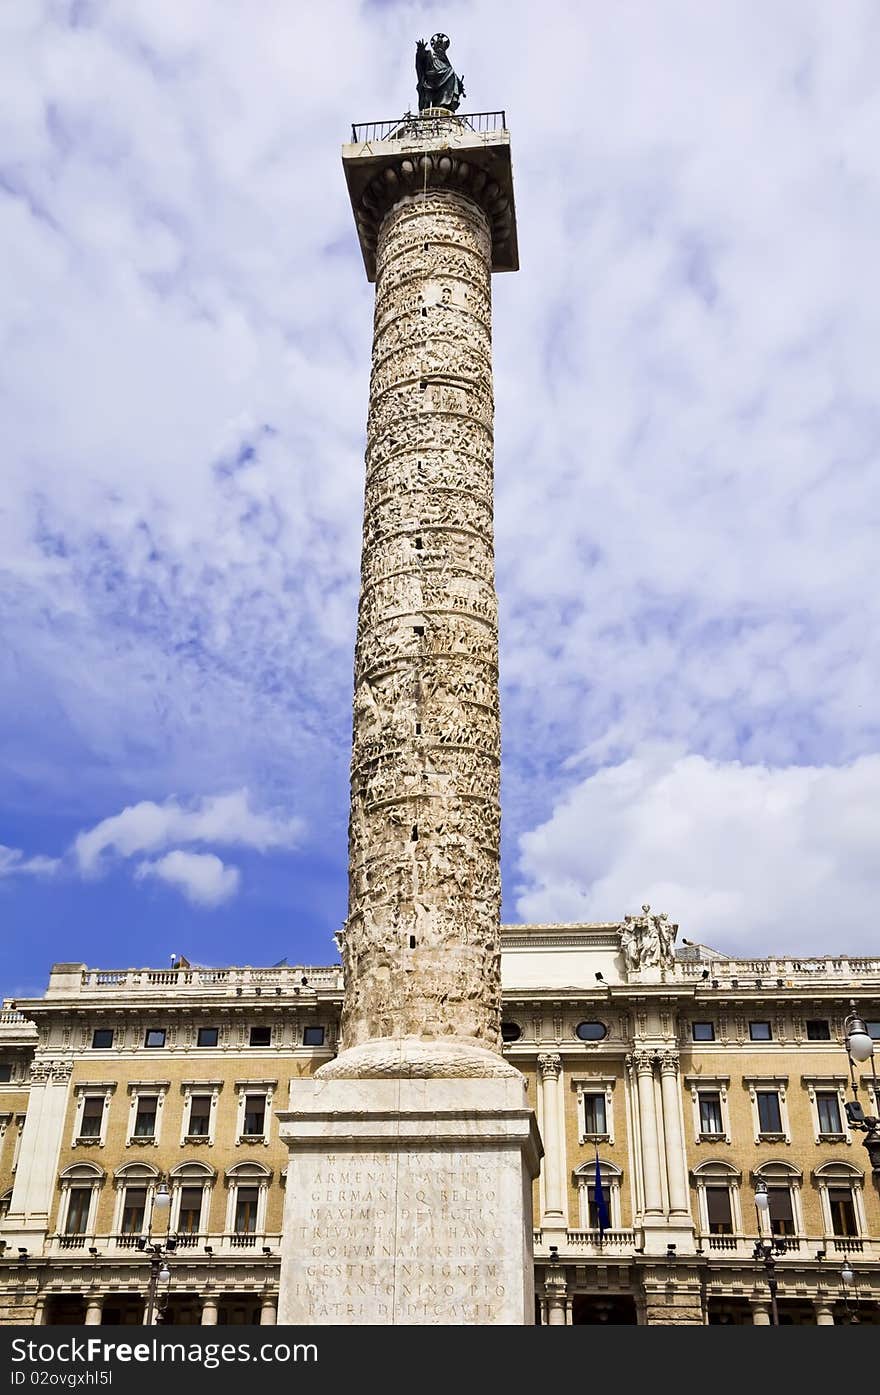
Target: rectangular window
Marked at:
703, 1031
843, 1211
719, 1211
781, 1211
710, 1112
133, 1210
828, 1106
818, 1029
208, 1036
769, 1112
873, 1030
78, 1210
92, 1116
760, 1031
5, 1071
593, 1208
254, 1115
594, 1114
145, 1118
261, 1036
189, 1222
313, 1036
199, 1116
155, 1036
246, 1210
102, 1039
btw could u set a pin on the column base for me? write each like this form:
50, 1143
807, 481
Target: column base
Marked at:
408, 1202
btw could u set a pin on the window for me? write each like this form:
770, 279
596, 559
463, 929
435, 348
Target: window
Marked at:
843, 1211
760, 1031
189, 1220
703, 1031
102, 1039
828, 1108
313, 1036
594, 1115
5, 1071
769, 1113
261, 1036
134, 1210
590, 1031
718, 1210
246, 1199
711, 1121
781, 1211
155, 1036
254, 1116
585, 1179
818, 1029
78, 1203
145, 1118
199, 1116
873, 1030
92, 1116
510, 1031
208, 1036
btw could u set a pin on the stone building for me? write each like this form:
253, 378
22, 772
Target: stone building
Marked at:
693, 1078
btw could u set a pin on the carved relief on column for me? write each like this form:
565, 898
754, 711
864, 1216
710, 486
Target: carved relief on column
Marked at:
421, 946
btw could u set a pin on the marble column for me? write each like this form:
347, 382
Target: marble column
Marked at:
556, 1289
676, 1166
760, 1312
550, 1066
94, 1309
269, 1310
824, 1312
209, 1311
643, 1063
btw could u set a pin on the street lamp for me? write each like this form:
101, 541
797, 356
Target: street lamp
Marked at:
847, 1275
765, 1253
860, 1048
159, 1251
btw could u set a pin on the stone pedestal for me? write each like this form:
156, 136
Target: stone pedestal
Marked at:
409, 1202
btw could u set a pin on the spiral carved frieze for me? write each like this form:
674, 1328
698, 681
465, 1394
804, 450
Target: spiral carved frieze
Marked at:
421, 943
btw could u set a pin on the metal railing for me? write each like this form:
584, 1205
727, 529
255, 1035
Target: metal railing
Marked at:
481, 122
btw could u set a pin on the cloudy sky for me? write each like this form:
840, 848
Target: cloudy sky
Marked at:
687, 446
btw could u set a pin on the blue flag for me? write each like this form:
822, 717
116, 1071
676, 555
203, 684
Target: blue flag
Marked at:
601, 1203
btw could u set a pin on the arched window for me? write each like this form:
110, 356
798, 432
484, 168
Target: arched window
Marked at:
191, 1186
783, 1182
718, 1201
135, 1185
584, 1178
80, 1187
248, 1184
843, 1208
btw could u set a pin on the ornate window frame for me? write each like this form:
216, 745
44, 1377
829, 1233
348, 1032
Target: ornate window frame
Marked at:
156, 1089
247, 1174
757, 1083
841, 1174
717, 1084
828, 1085
188, 1088
584, 1085
775, 1172
80, 1175
134, 1174
91, 1089
191, 1174
584, 1177
254, 1087
715, 1172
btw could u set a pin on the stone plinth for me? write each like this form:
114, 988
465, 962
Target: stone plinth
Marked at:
408, 1202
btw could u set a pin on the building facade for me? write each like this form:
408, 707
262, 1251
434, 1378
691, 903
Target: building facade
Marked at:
689, 1086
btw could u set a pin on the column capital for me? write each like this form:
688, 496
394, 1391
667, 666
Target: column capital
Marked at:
669, 1062
549, 1064
642, 1061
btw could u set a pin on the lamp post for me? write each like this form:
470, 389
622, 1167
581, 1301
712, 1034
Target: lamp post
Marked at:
847, 1275
765, 1252
159, 1252
860, 1048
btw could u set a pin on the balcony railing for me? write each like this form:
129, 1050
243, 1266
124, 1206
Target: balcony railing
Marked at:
406, 127
596, 1239
746, 971
299, 978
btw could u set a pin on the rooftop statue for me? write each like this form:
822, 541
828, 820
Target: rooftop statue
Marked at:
438, 85
648, 940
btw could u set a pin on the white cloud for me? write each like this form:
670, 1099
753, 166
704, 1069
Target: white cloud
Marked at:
202, 877
227, 819
746, 858
14, 863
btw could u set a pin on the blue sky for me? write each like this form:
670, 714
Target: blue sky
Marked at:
686, 467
